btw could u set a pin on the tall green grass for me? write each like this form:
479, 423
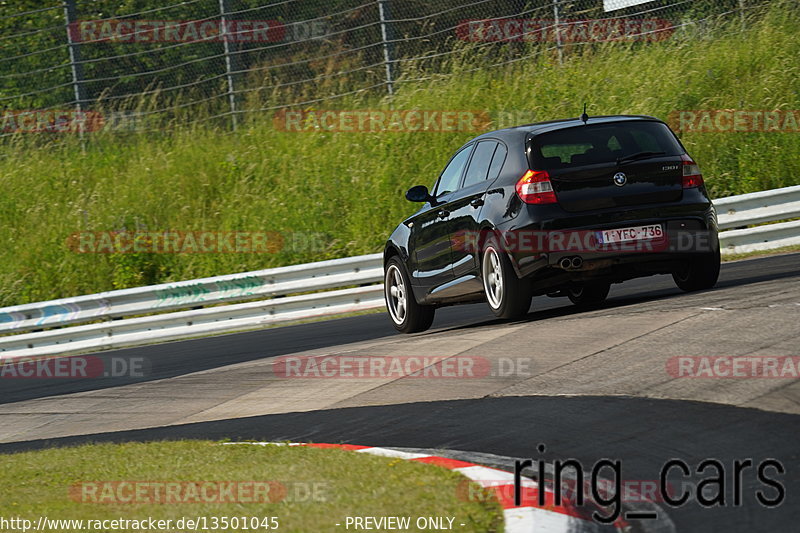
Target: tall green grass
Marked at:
350, 186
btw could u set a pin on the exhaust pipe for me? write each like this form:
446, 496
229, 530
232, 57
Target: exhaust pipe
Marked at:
571, 263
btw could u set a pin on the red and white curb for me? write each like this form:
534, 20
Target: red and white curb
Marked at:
526, 518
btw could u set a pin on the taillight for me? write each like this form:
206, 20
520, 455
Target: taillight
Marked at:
534, 187
691, 173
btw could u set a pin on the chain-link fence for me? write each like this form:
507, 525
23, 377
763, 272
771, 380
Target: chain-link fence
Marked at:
123, 63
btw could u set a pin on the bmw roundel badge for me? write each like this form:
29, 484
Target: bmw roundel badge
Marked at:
620, 179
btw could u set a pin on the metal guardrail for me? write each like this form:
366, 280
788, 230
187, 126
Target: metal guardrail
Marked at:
759, 208
274, 288
185, 324
267, 283
766, 237
109, 307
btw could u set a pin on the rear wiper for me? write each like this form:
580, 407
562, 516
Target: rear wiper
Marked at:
637, 155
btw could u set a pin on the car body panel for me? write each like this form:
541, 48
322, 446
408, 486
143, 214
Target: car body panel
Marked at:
429, 243
445, 270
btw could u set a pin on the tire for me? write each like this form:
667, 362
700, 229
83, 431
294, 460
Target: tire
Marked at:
508, 296
589, 294
406, 314
698, 273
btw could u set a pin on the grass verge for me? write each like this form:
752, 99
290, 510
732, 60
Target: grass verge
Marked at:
309, 489
760, 253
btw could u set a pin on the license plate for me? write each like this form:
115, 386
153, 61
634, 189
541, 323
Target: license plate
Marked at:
637, 233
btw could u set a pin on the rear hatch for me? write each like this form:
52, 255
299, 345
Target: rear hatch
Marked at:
603, 166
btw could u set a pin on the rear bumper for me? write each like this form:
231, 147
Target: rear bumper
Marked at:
562, 249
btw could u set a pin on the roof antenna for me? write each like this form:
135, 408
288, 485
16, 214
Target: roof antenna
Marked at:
584, 116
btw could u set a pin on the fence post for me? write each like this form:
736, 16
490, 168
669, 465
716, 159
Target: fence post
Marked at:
557, 21
388, 47
70, 15
741, 14
230, 60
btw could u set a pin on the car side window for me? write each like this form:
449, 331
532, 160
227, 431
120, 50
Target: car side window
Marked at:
479, 165
448, 180
497, 161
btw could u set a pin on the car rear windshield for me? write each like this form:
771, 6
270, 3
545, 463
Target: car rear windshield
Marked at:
601, 143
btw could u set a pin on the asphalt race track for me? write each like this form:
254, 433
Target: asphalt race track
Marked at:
596, 385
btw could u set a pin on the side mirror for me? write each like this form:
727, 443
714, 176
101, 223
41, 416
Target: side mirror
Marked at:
418, 193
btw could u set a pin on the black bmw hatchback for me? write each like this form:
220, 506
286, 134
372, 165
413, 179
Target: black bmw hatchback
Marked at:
563, 208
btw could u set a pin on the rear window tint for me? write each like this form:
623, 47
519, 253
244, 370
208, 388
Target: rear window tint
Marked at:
600, 143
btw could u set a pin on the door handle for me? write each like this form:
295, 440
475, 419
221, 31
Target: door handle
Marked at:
476, 202
442, 213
